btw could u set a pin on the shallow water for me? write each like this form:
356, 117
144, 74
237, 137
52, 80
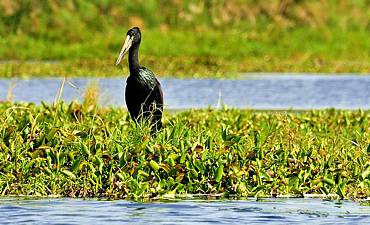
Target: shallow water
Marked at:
259, 91
268, 211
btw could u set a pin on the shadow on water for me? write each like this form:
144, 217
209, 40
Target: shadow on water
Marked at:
262, 91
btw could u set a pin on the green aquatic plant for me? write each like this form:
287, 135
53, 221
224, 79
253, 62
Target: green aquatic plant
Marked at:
72, 150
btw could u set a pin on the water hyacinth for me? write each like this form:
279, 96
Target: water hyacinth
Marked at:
83, 150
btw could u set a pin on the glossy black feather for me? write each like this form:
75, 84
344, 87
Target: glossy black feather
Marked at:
144, 97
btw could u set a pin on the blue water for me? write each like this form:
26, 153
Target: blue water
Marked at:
268, 211
258, 91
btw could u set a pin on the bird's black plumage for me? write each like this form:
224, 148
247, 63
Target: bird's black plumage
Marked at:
144, 97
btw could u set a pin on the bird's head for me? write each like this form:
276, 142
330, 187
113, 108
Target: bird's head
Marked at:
133, 38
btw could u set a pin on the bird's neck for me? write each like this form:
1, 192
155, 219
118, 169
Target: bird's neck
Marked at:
133, 59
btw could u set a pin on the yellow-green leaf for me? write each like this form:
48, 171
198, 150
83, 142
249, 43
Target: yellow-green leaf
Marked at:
68, 173
154, 165
219, 173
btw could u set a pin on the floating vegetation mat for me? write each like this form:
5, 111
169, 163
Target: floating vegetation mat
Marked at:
81, 150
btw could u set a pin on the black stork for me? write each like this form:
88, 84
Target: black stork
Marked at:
144, 97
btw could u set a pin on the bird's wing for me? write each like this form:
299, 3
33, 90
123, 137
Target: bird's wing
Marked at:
149, 81
146, 78
158, 92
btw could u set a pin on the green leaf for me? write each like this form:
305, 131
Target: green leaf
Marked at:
183, 157
143, 173
100, 164
194, 174
328, 181
366, 173
120, 176
340, 190
76, 164
219, 173
154, 165
85, 150
51, 134
29, 164
68, 173
47, 170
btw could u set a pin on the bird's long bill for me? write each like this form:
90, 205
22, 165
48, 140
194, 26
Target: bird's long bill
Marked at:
126, 46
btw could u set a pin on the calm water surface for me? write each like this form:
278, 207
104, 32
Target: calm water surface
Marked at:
262, 91
269, 211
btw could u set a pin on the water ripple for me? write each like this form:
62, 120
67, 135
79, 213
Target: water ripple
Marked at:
269, 211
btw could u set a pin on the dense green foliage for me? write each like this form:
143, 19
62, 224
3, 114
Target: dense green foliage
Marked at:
65, 19
185, 38
82, 150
